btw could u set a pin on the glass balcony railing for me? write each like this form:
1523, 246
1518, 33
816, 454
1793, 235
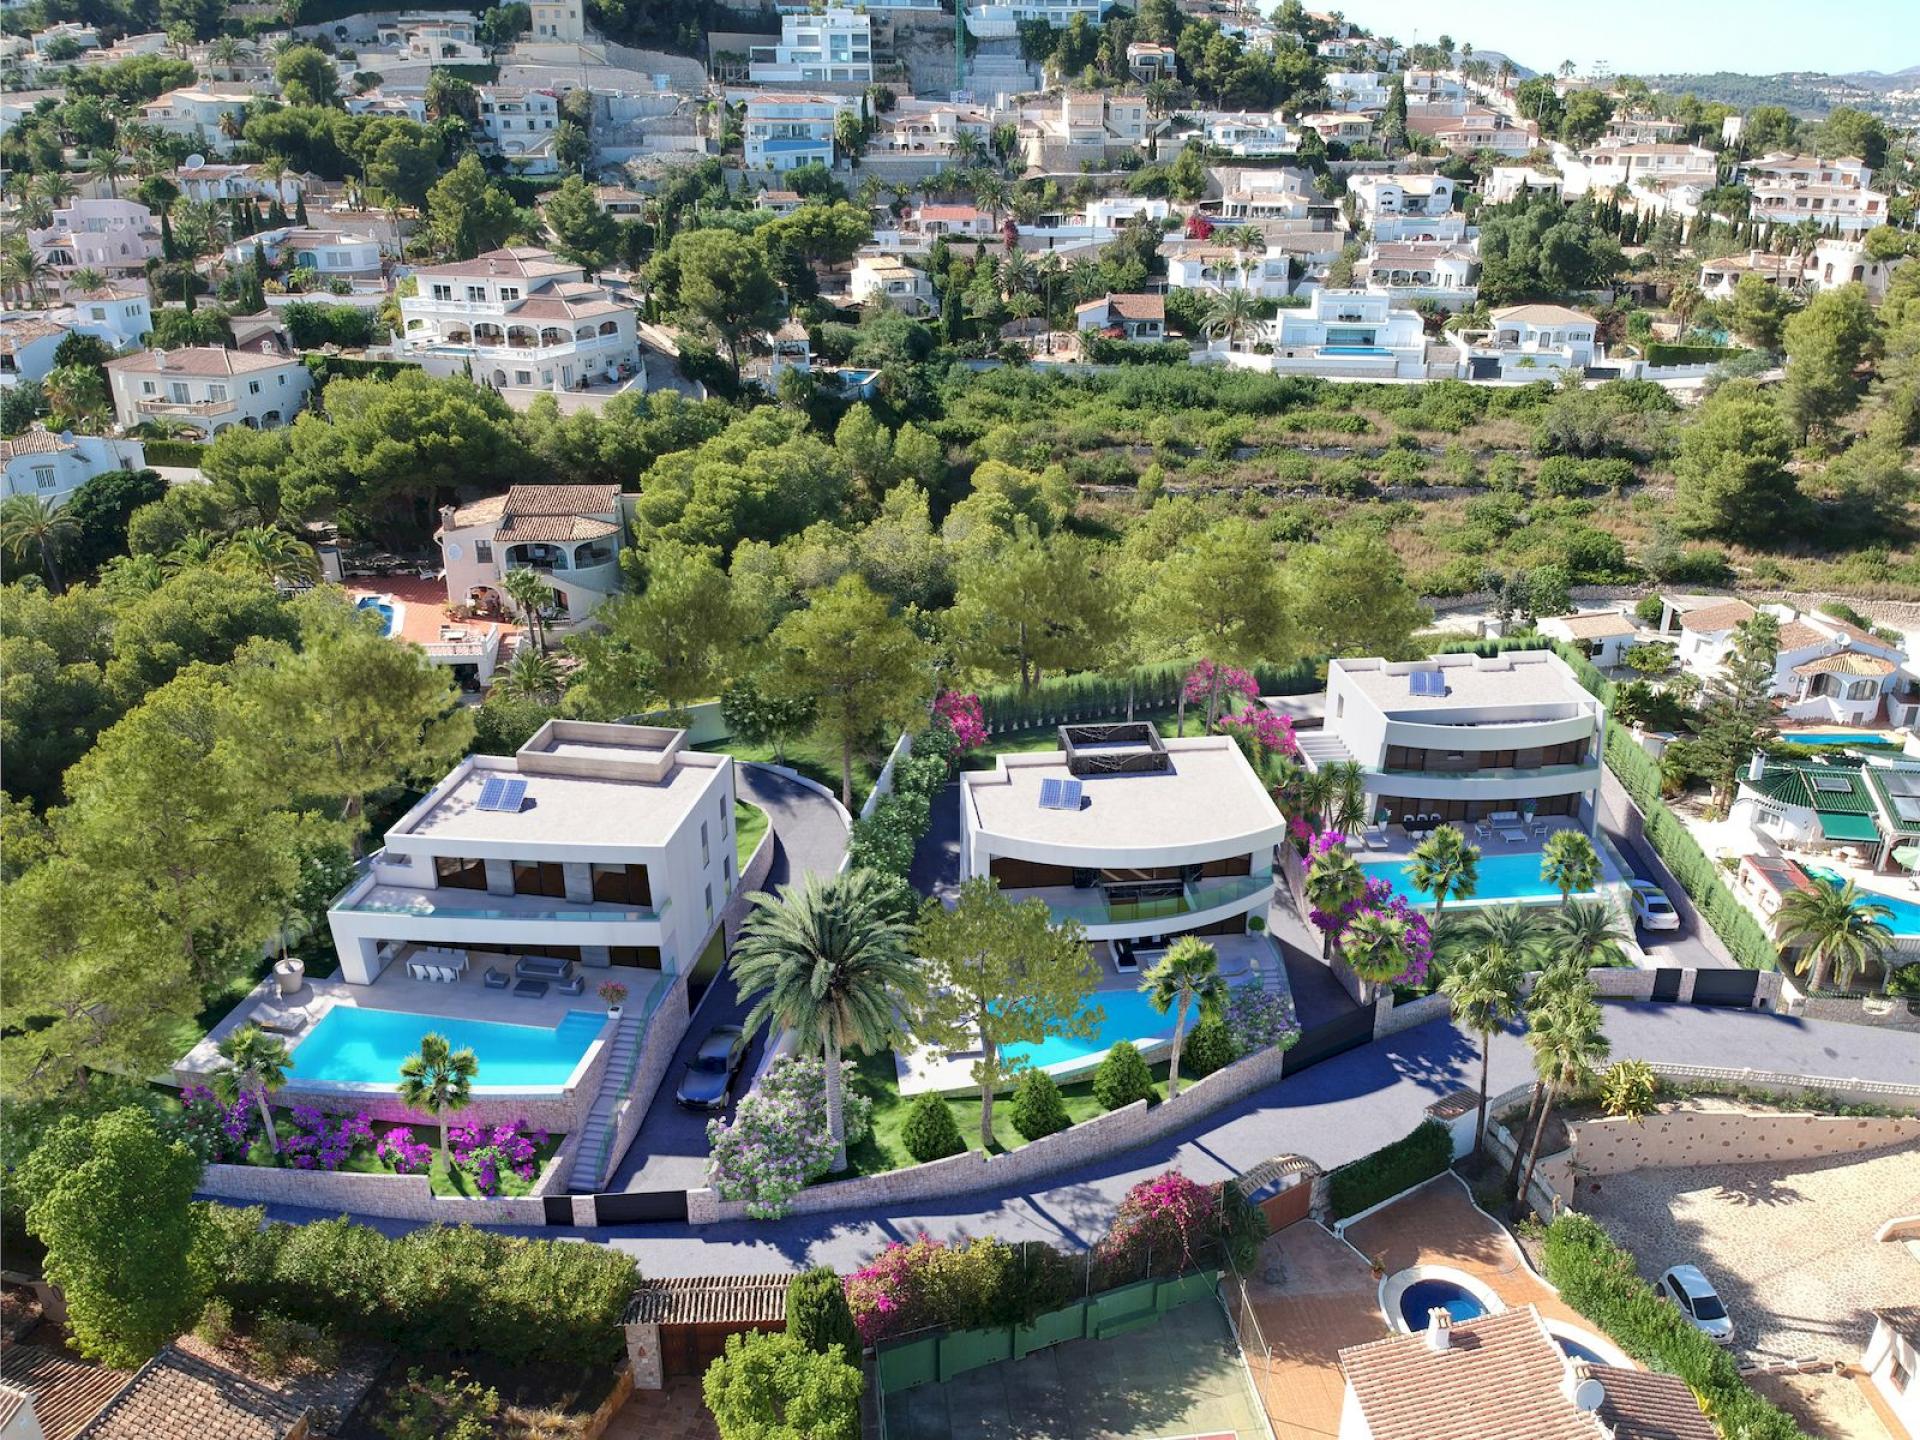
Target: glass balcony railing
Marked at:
429, 905
1537, 772
1118, 905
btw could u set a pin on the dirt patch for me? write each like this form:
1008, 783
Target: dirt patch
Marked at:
1828, 1403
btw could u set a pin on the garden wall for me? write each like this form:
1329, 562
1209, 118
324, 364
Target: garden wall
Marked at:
1720, 1137
883, 786
392, 1197
1103, 1135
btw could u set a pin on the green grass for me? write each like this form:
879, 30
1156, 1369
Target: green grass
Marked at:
749, 824
883, 1150
815, 757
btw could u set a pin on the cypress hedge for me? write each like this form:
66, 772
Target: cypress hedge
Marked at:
1363, 1183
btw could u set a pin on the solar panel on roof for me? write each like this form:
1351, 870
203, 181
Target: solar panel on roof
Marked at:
513, 794
1831, 785
1901, 782
502, 792
1069, 794
1049, 794
490, 792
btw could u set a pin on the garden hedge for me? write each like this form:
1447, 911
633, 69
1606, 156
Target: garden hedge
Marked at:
184, 454
1599, 1279
324, 368
1660, 353
1361, 1184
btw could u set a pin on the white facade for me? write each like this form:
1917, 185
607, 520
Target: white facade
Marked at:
1250, 137
1348, 331
121, 318
1529, 342
1649, 164
437, 39
234, 182
1832, 263
889, 280
1358, 89
1603, 636
1180, 841
112, 236
521, 319
208, 389
1892, 1362
51, 467
834, 45
1826, 671
570, 534
329, 253
783, 132
1788, 189
1201, 265
562, 20
1515, 182
27, 343
621, 854
195, 114
1423, 270
519, 125
1002, 21
1510, 732
1377, 196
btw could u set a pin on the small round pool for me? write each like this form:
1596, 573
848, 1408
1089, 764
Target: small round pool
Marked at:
1423, 1296
386, 607
1584, 1345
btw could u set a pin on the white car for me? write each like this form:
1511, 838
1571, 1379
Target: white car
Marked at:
1686, 1287
1651, 907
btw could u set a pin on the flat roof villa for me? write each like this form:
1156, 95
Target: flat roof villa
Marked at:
1136, 837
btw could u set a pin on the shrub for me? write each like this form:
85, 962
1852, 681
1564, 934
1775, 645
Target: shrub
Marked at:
1904, 982
279, 1341
1649, 609
1160, 1228
817, 1311
1257, 1018
769, 1386
1037, 1107
1123, 1077
439, 1407
775, 1145
1629, 1088
1599, 1279
1207, 1049
930, 1132
1363, 1183
216, 1323
1560, 475
803, 1079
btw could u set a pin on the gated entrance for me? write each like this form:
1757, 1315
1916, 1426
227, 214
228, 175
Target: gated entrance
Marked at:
1734, 988
1330, 1038
640, 1207
1666, 983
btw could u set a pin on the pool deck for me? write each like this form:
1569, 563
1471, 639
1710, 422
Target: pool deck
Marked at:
923, 1069
1399, 847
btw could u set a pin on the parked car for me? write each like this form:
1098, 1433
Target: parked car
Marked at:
708, 1081
1651, 907
1686, 1287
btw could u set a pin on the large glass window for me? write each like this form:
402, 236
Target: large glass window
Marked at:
622, 885
538, 877
459, 873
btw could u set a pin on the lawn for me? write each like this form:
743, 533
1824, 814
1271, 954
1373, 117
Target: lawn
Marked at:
814, 756
883, 1149
749, 824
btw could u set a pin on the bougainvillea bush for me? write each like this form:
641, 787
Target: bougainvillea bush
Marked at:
218, 1134
1380, 900
1160, 1228
488, 1152
402, 1153
315, 1140
964, 718
1261, 735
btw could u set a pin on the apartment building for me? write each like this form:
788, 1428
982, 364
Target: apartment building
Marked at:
196, 115
520, 319
115, 237
785, 131
1529, 342
518, 124
1827, 671
1423, 270
208, 389
600, 845
1139, 839
50, 466
570, 534
834, 45
1465, 736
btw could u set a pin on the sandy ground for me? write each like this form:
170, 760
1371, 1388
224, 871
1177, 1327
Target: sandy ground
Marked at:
1825, 1403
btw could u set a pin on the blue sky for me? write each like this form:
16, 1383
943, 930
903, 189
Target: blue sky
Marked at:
1662, 36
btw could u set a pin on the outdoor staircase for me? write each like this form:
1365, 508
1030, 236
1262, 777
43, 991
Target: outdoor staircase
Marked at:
587, 1157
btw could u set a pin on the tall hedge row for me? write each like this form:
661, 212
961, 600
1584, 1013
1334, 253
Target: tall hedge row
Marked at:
1361, 1184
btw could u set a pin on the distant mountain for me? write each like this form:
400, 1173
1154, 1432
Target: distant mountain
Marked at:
1807, 93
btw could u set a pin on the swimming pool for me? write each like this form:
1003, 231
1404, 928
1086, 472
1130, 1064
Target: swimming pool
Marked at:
1502, 877
1906, 914
1130, 1016
1863, 742
1354, 350
1425, 1295
382, 604
350, 1045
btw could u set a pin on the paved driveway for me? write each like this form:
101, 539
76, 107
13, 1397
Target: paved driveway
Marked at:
670, 1152
1694, 943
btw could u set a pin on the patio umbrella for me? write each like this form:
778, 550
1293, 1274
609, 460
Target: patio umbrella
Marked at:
1907, 855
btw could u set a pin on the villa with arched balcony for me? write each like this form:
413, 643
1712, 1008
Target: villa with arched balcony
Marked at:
569, 535
519, 320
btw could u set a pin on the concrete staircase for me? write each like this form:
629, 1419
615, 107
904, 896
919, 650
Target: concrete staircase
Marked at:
585, 1176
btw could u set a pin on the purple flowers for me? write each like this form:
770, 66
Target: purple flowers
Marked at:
404, 1154
218, 1134
485, 1152
1378, 900
319, 1141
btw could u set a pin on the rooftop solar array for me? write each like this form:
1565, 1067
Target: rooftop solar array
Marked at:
1831, 785
1057, 794
1426, 682
502, 792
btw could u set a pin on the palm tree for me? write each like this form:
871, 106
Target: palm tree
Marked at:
86, 280
438, 1080
29, 523
1231, 313
1334, 881
990, 195
533, 675
281, 557
1375, 945
1484, 987
1315, 795
107, 165
531, 596
829, 960
1446, 867
257, 1063
1187, 975
1349, 808
24, 272
1587, 935
1837, 929
1568, 862
1567, 1041
53, 187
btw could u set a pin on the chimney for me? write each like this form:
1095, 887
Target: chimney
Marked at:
1439, 1330
1756, 767
159, 359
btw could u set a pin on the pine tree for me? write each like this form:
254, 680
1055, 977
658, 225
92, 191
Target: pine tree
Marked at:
1737, 717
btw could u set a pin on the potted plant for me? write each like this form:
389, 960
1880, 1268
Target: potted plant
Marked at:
615, 994
1378, 1265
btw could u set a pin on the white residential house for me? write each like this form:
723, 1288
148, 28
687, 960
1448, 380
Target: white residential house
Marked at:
1358, 89
1250, 137
1827, 671
1085, 126
1892, 1356
519, 319
208, 389
1528, 342
1359, 333
1267, 195
52, 466
1423, 270
1433, 89
1603, 636
116, 237
1719, 277
1140, 318
1788, 189
378, 102
27, 343
1521, 182
1380, 197
887, 279
613, 848
1465, 736
961, 221
122, 317
779, 202
1649, 164
788, 348
570, 534
215, 181
437, 39
1472, 130
1002, 21
926, 128
1206, 265
86, 37
1336, 126
1138, 838
833, 46
1148, 61
785, 131
518, 124
195, 115
559, 20
331, 254
1645, 130
1832, 263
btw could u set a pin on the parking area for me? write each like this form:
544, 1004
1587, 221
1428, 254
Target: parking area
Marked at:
1788, 1244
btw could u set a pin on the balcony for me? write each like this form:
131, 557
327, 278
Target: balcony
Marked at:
159, 405
1137, 905
1584, 767
449, 904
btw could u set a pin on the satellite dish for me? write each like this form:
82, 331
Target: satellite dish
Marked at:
194, 162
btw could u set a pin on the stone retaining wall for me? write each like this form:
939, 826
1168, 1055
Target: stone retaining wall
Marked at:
1390, 1018
1103, 1135
1853, 1012
392, 1197
1726, 1137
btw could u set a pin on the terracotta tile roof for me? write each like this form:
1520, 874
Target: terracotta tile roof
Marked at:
563, 500
176, 1396
710, 1299
24, 332
1903, 1320
1644, 1406
1596, 625
551, 529
34, 442
199, 360
1712, 619
1847, 662
480, 511
1454, 1105
528, 262
1499, 1377
1138, 307
1543, 315
1797, 635
1865, 637
12, 1402
66, 1393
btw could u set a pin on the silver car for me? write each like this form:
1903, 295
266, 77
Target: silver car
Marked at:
1686, 1287
708, 1081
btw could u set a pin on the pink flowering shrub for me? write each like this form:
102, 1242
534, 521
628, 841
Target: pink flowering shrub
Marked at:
486, 1152
964, 717
218, 1134
402, 1153
1377, 898
1209, 680
896, 1293
1160, 1226
1261, 735
315, 1140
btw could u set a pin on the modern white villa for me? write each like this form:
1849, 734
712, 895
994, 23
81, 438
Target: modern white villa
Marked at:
1138, 838
1358, 333
1529, 342
1504, 741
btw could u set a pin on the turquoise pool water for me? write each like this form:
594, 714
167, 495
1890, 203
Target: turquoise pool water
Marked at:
1502, 877
365, 1047
1864, 742
1906, 914
1354, 350
1130, 1016
374, 602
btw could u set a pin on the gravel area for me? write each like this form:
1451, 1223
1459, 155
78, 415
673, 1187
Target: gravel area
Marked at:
1826, 1403
1789, 1245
